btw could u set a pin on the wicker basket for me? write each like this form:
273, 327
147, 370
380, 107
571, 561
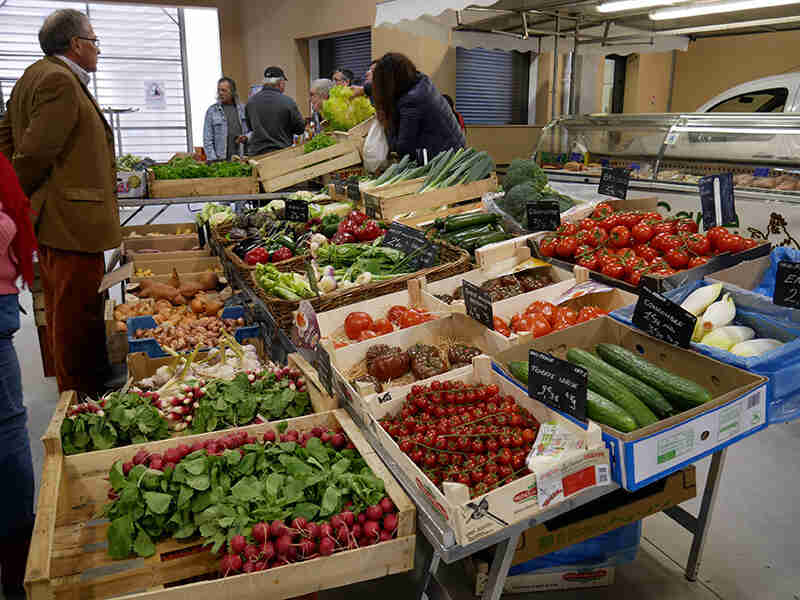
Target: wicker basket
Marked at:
219, 232
244, 269
454, 261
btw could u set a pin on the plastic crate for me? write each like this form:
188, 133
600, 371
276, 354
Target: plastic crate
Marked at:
154, 350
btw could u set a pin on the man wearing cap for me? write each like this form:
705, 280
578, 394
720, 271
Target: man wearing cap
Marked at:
272, 117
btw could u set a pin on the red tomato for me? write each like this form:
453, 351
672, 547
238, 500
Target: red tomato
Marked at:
633, 265
663, 227
589, 312
567, 229
501, 327
599, 237
658, 239
367, 334
652, 216
647, 252
586, 224
696, 261
382, 327
614, 269
634, 278
731, 243
677, 258
412, 317
570, 315
699, 244
355, 323
714, 234
547, 247
521, 324
540, 326
610, 222
619, 236
566, 247
685, 224
642, 232
671, 242
602, 210
583, 237
540, 307
749, 243
588, 261
629, 218
396, 313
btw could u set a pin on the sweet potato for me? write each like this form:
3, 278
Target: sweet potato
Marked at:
160, 291
205, 282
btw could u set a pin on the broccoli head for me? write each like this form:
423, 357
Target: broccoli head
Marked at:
521, 170
516, 199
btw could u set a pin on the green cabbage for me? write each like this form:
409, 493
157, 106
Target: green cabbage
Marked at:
344, 112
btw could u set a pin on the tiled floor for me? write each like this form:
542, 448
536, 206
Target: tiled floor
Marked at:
752, 553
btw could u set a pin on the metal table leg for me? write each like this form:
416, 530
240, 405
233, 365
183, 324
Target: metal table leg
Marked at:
503, 555
430, 573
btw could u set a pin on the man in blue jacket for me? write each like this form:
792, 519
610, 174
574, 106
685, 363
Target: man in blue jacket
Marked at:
272, 117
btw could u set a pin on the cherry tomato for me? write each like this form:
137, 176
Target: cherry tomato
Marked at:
396, 313
642, 232
648, 253
671, 242
731, 243
546, 309
355, 323
630, 218
582, 250
698, 244
583, 237
501, 326
587, 313
566, 247
664, 227
619, 236
677, 258
382, 327
610, 222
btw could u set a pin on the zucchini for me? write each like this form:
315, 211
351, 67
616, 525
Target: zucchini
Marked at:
459, 222
647, 394
610, 388
661, 379
519, 369
466, 234
489, 238
604, 411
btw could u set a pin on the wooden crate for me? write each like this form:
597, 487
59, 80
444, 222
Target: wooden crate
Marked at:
199, 264
159, 230
68, 558
203, 186
116, 341
401, 202
285, 168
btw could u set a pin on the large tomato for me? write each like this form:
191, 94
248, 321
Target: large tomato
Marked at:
382, 326
685, 224
614, 269
602, 210
619, 236
547, 247
642, 232
413, 317
396, 313
731, 243
566, 247
715, 234
677, 258
599, 237
699, 244
355, 323
540, 326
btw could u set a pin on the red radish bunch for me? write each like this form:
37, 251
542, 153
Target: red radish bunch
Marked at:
278, 543
468, 434
90, 406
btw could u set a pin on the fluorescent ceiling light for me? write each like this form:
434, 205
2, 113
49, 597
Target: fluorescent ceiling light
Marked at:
620, 5
711, 8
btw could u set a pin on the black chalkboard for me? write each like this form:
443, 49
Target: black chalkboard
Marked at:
663, 319
707, 187
614, 181
543, 215
412, 241
787, 284
353, 191
296, 210
324, 370
479, 303
557, 383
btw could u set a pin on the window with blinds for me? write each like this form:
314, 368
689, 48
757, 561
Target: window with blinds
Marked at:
138, 44
351, 51
492, 86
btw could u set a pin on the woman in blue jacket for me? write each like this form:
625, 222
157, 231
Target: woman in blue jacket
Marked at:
225, 129
414, 114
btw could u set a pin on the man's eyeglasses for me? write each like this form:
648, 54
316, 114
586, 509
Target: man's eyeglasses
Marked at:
95, 41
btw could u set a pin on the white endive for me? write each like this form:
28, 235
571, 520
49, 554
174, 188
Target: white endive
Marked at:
719, 314
701, 298
755, 347
729, 336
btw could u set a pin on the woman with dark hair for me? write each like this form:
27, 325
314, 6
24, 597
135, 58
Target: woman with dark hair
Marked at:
17, 245
225, 127
455, 112
413, 113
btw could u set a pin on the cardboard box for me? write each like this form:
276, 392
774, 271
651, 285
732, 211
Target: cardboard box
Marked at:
131, 184
473, 519
746, 275
159, 230
547, 580
737, 409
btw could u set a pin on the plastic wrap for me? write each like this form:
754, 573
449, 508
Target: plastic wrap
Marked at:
767, 285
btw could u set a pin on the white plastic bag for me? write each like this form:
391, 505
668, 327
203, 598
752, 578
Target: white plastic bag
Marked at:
376, 148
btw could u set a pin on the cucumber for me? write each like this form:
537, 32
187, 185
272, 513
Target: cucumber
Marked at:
604, 411
519, 369
610, 388
661, 379
654, 399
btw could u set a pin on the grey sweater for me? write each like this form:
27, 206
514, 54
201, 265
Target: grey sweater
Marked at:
273, 118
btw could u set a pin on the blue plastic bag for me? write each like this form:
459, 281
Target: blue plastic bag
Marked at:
613, 548
779, 253
781, 366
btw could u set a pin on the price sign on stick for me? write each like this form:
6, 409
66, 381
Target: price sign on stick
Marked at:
614, 181
412, 241
663, 319
557, 383
324, 370
297, 210
543, 216
478, 303
787, 284
716, 200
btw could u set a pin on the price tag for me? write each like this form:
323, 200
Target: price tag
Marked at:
372, 207
557, 383
787, 284
614, 181
387, 397
296, 210
478, 303
353, 191
716, 199
324, 370
663, 319
412, 241
543, 215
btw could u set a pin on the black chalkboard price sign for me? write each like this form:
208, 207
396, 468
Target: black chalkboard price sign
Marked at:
323, 365
557, 383
296, 210
478, 303
663, 319
717, 190
412, 241
787, 284
543, 215
614, 181
353, 191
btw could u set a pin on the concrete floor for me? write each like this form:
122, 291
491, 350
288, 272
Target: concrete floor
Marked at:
752, 552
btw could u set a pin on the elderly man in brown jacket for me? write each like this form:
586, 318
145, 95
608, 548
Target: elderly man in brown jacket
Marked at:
63, 152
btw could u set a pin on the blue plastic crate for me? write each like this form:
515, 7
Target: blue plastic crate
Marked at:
781, 366
153, 349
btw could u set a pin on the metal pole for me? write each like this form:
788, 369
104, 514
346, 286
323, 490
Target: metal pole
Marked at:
672, 80
704, 517
187, 105
572, 76
554, 79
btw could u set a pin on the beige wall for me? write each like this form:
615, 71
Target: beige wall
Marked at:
504, 142
711, 66
647, 82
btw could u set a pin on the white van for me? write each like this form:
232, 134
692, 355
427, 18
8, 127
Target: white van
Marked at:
775, 94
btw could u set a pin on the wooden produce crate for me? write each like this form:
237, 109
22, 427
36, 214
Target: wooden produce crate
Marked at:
358, 134
158, 230
116, 341
184, 266
402, 202
68, 557
284, 168
202, 186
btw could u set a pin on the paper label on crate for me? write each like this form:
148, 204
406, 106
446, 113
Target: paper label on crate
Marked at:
571, 476
663, 319
583, 289
412, 241
787, 284
681, 444
614, 181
